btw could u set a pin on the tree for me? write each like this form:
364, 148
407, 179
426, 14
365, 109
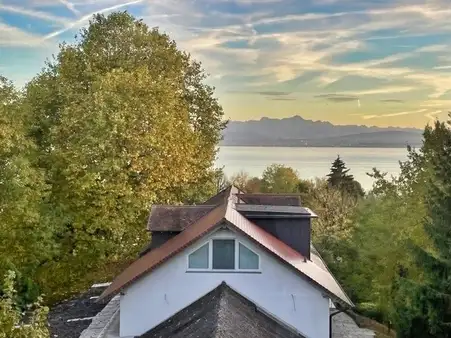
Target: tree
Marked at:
240, 180
25, 233
334, 210
12, 323
339, 178
425, 311
123, 120
278, 178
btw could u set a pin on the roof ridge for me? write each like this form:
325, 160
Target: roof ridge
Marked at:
220, 289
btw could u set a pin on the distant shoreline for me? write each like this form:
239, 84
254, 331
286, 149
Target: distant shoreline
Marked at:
320, 146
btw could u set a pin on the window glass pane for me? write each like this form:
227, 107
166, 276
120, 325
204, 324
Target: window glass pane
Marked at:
224, 254
248, 259
199, 258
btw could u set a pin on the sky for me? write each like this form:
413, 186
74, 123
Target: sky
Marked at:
366, 62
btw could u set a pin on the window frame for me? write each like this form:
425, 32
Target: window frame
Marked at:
193, 251
210, 256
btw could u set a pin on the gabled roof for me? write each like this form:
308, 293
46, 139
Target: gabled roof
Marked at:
226, 214
222, 196
222, 313
158, 256
175, 217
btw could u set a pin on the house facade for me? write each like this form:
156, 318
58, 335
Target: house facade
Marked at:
239, 265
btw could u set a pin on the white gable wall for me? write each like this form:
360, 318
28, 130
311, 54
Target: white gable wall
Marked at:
277, 289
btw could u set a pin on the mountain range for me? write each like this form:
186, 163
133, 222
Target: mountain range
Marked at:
299, 132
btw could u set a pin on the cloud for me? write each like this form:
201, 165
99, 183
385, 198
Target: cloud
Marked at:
85, 18
280, 98
442, 67
383, 90
263, 93
369, 117
337, 97
292, 45
259, 44
433, 115
14, 37
353, 95
32, 13
70, 6
392, 101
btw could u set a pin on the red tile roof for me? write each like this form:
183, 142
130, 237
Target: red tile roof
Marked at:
158, 256
307, 268
226, 213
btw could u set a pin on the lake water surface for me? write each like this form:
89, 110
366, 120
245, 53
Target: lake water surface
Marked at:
311, 162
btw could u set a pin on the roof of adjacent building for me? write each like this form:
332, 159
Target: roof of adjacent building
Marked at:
222, 313
175, 218
225, 214
70, 318
222, 196
271, 199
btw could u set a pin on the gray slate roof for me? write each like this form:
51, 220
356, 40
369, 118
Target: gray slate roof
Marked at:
175, 217
343, 326
222, 313
69, 318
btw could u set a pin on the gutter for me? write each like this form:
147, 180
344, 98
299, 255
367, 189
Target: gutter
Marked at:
330, 319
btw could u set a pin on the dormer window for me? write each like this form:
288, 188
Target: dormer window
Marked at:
223, 254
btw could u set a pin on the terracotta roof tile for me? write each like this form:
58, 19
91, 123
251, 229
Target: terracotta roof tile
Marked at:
226, 213
322, 278
175, 218
158, 256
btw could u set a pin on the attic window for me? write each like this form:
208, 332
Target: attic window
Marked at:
199, 258
223, 254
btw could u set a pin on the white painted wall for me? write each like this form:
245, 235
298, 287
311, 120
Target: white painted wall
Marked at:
277, 289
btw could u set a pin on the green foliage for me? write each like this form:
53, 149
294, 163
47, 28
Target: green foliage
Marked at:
119, 120
278, 178
13, 324
334, 209
428, 312
339, 178
25, 230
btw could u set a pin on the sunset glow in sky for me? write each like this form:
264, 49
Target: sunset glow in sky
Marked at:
375, 62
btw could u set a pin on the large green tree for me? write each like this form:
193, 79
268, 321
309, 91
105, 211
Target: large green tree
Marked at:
340, 178
278, 178
123, 119
424, 306
25, 232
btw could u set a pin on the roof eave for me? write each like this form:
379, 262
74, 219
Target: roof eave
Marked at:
345, 302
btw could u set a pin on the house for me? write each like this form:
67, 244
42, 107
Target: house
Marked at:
239, 265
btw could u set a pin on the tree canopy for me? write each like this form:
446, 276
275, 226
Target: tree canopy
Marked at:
120, 119
339, 178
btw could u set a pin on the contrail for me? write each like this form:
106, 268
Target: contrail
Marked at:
85, 18
358, 103
70, 6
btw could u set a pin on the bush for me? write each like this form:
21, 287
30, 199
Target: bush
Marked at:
13, 322
370, 310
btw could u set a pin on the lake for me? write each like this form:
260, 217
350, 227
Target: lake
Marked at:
311, 162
